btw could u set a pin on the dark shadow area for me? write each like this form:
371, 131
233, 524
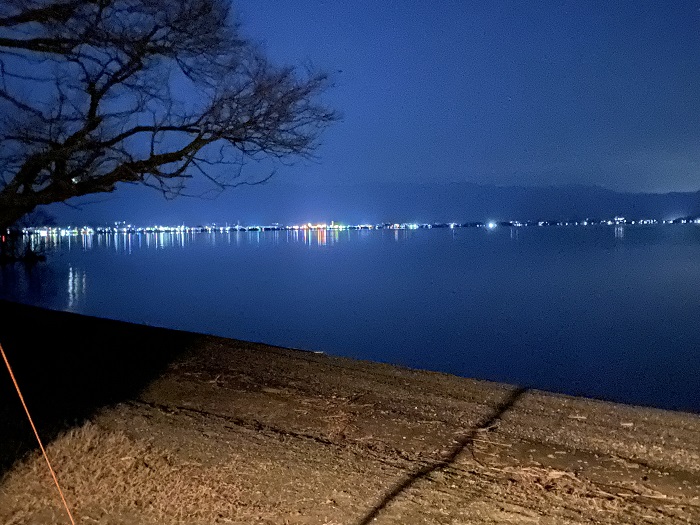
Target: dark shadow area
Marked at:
464, 442
68, 366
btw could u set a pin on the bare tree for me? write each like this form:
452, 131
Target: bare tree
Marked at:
97, 92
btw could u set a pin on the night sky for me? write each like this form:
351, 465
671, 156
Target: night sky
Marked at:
497, 93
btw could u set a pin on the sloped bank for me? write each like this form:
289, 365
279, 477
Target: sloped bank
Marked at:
170, 427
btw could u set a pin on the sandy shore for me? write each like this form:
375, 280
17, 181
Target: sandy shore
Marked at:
156, 426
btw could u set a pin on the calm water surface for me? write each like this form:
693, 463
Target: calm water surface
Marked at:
609, 312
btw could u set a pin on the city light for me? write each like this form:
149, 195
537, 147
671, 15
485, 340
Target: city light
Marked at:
122, 228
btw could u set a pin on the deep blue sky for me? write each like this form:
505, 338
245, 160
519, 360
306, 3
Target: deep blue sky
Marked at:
505, 93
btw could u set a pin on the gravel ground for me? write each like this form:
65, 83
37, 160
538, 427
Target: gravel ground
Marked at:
161, 426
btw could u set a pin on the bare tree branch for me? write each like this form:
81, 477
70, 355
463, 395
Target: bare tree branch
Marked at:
98, 92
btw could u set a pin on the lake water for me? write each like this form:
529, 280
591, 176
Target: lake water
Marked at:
608, 312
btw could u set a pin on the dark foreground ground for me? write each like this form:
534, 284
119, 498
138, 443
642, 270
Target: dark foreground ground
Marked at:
155, 426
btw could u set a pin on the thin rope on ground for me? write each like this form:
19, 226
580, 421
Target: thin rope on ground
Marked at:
36, 434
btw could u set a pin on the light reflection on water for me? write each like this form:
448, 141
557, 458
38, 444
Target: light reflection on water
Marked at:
603, 311
77, 287
125, 243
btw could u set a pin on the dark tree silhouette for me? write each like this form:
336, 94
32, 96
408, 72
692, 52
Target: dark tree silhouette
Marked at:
97, 92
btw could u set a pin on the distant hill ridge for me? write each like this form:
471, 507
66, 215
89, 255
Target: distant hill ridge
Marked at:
469, 201
283, 202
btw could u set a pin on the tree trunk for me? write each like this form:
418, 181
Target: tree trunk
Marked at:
12, 210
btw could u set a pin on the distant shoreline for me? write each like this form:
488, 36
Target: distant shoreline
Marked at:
124, 228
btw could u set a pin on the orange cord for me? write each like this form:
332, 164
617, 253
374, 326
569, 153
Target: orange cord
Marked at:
41, 446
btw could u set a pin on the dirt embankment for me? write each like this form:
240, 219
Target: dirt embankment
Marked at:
232, 432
